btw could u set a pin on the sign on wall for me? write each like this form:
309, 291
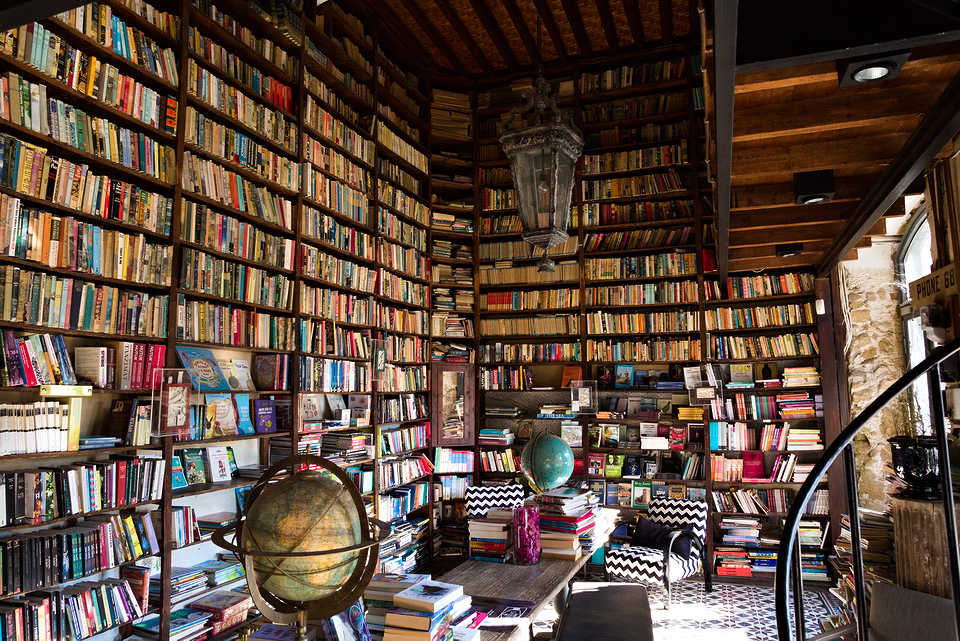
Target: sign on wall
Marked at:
933, 288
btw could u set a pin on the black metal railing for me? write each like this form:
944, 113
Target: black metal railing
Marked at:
788, 555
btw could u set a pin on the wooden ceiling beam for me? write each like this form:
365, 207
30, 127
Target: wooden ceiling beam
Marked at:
489, 23
633, 21
782, 194
793, 216
606, 21
939, 125
874, 107
465, 36
824, 232
724, 64
572, 12
390, 21
765, 257
551, 26
516, 17
803, 260
861, 152
666, 22
438, 40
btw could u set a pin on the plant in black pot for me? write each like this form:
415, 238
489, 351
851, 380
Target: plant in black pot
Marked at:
914, 452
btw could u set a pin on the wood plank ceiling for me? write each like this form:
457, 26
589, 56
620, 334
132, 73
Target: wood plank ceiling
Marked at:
487, 38
789, 113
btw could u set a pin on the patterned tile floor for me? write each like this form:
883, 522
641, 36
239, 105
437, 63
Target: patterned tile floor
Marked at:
729, 613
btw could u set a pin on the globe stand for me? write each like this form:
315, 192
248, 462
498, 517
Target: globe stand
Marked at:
289, 611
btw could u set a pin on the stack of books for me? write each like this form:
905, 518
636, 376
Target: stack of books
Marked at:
740, 530
502, 411
379, 594
796, 405
424, 612
212, 522
806, 439
491, 537
801, 377
494, 436
568, 511
349, 445
813, 566
186, 624
732, 562
220, 572
686, 413
555, 411
764, 562
228, 609
812, 533
183, 583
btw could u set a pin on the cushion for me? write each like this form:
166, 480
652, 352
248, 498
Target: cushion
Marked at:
651, 535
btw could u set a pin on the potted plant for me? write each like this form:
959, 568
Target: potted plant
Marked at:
914, 453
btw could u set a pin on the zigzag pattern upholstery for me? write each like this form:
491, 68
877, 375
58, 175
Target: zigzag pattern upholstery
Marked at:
646, 565
481, 498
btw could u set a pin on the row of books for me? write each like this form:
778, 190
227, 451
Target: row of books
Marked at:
208, 274
333, 194
600, 213
34, 497
389, 170
633, 159
399, 471
331, 128
232, 65
632, 75
35, 359
317, 225
756, 317
509, 250
208, 322
230, 235
75, 128
451, 488
681, 291
633, 109
324, 266
530, 353
402, 290
763, 285
335, 305
49, 558
404, 259
643, 350
540, 325
764, 347
386, 137
63, 242
38, 298
397, 378
636, 323
331, 375
400, 501
74, 186
505, 273
264, 47
638, 239
447, 460
342, 167
400, 230
230, 101
675, 263
663, 182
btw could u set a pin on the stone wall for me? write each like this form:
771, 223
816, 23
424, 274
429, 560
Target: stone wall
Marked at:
874, 360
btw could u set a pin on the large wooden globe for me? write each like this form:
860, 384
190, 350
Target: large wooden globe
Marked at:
300, 513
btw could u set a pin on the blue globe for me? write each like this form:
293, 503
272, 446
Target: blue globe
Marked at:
546, 461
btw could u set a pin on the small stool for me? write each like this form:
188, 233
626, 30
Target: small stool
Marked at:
606, 612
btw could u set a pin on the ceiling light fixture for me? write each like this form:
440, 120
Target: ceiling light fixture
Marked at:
813, 187
542, 160
867, 69
786, 250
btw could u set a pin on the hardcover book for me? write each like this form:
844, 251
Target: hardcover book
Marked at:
427, 596
224, 421
194, 466
219, 464
265, 416
177, 477
209, 377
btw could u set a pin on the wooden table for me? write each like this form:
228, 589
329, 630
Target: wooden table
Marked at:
538, 583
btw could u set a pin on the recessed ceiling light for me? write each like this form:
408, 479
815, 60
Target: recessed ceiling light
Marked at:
787, 250
874, 68
873, 72
813, 187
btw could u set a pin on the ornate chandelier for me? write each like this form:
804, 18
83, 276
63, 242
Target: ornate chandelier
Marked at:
542, 161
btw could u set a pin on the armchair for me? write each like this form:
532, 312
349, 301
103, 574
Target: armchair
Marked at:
661, 561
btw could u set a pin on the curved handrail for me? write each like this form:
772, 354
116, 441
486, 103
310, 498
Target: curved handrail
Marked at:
790, 524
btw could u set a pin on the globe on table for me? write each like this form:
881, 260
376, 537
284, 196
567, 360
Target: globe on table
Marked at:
546, 461
303, 512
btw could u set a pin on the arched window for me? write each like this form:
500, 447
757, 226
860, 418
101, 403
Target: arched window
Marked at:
914, 260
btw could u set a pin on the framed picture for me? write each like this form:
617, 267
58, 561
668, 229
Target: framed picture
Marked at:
605, 377
175, 407
623, 376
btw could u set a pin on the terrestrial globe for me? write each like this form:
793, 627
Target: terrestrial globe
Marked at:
306, 542
546, 461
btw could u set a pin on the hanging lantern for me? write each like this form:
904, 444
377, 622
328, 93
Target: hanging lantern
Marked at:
542, 160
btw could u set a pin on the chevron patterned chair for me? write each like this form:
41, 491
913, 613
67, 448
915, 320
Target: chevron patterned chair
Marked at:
681, 521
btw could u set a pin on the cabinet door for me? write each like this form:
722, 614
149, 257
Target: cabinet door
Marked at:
453, 408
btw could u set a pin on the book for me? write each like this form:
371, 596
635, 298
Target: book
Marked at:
207, 376
194, 466
218, 462
279, 632
265, 416
179, 620
241, 405
224, 421
242, 368
177, 477
229, 371
427, 596
416, 619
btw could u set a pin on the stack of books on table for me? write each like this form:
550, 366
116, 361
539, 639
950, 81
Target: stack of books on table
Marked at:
186, 624
378, 597
183, 583
740, 530
491, 537
570, 511
425, 612
220, 572
732, 562
228, 609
